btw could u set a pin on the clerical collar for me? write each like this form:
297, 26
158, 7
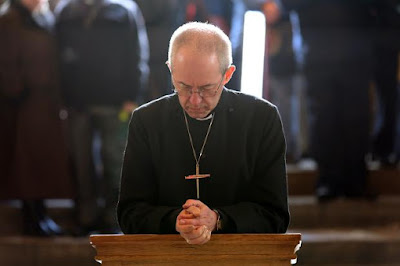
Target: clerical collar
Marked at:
206, 118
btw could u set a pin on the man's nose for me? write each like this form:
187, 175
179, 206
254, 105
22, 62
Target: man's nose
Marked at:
195, 98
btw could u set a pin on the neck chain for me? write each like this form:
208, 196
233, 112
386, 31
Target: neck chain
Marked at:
204, 142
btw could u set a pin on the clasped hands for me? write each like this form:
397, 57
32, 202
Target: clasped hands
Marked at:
196, 222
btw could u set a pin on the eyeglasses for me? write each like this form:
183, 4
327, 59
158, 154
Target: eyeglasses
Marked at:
204, 92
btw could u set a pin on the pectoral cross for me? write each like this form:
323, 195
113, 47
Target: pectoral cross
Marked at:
197, 176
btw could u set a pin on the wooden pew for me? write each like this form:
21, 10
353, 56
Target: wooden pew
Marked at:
222, 249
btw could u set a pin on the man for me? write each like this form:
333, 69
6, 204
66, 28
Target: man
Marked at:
232, 142
338, 77
33, 156
104, 66
284, 75
386, 66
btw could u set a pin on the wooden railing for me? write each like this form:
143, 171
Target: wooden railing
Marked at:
222, 249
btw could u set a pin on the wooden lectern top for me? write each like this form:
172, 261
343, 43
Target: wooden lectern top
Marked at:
222, 249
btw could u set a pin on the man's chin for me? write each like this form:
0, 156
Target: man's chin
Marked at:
197, 113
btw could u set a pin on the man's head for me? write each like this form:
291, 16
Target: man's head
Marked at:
200, 62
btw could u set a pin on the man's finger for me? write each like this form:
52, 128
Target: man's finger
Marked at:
198, 239
194, 210
191, 202
185, 229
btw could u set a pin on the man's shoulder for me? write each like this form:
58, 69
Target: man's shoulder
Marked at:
157, 106
156, 113
247, 101
71, 9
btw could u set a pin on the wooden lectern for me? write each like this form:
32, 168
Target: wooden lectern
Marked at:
222, 249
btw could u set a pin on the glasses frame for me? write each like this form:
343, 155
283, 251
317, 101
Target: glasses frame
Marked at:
199, 91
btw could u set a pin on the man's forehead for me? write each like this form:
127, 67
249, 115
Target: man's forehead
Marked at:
192, 56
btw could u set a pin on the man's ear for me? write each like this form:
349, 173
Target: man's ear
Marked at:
228, 74
169, 66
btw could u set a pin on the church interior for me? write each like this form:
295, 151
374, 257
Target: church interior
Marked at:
340, 231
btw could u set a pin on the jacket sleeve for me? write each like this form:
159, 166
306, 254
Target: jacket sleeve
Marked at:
137, 209
138, 56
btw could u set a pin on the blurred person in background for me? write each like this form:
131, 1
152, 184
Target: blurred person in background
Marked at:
285, 79
219, 13
161, 18
386, 67
104, 69
33, 155
338, 70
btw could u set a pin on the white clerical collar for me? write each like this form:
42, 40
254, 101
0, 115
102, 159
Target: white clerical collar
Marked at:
206, 118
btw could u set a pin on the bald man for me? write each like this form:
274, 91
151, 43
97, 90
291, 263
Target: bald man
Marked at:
204, 159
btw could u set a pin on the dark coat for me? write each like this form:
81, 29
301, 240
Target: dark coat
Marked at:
244, 154
33, 157
104, 52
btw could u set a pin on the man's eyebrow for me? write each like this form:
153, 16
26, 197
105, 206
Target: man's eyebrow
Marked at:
184, 84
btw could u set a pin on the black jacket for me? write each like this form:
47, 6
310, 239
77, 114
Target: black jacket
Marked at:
245, 155
103, 50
